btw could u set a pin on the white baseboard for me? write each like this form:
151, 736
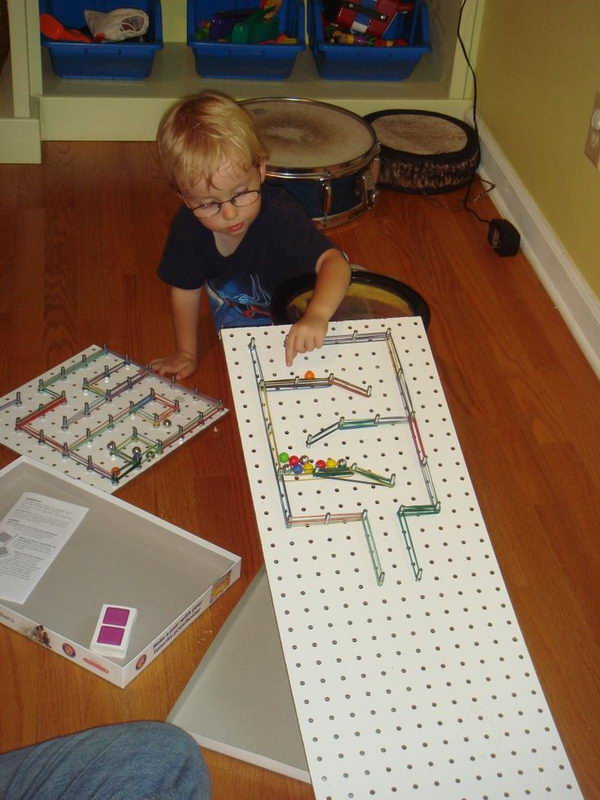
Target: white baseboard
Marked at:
574, 299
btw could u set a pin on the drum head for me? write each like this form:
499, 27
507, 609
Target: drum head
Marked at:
369, 296
307, 137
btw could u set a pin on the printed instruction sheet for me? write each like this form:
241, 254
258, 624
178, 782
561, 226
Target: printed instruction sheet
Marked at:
32, 534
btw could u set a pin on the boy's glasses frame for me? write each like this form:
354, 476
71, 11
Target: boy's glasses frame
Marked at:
239, 200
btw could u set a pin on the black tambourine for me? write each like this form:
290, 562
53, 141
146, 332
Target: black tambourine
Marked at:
369, 296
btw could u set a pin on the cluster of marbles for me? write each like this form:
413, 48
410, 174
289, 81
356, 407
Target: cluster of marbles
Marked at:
299, 465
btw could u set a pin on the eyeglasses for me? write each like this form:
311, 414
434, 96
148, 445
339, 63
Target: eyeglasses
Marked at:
239, 200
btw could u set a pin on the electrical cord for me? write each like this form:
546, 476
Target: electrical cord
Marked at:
467, 199
502, 234
467, 195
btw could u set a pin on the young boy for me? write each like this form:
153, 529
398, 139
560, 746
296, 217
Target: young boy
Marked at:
234, 234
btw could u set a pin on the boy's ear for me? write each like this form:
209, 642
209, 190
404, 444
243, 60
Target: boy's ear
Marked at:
262, 170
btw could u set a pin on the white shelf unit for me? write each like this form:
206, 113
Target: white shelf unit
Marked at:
36, 106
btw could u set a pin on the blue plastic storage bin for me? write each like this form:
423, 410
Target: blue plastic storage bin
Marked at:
254, 61
351, 62
116, 61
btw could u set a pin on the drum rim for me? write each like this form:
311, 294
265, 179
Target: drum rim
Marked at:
325, 171
470, 148
285, 293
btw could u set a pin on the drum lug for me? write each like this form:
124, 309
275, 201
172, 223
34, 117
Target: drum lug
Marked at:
369, 183
326, 195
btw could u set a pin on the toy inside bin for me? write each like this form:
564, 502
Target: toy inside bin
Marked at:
361, 62
245, 54
129, 60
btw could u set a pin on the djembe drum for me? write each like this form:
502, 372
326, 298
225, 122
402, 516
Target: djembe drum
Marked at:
424, 152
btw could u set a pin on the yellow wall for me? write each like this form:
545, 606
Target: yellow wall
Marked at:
538, 69
175, 20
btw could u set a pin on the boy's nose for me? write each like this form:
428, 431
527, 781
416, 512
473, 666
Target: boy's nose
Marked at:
228, 210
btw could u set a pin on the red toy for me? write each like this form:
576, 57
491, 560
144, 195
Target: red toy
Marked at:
371, 17
54, 29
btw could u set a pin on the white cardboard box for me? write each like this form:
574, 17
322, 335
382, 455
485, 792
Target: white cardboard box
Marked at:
121, 555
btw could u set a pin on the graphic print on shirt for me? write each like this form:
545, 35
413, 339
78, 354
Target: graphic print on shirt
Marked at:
239, 301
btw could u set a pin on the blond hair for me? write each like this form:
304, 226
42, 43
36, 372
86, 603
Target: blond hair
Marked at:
199, 134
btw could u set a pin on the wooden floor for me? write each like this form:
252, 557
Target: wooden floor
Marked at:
80, 238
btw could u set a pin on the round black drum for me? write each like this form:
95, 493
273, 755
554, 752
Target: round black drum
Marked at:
324, 155
369, 296
423, 152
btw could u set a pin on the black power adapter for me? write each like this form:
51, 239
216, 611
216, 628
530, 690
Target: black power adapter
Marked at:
504, 237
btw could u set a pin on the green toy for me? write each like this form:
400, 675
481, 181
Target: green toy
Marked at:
256, 28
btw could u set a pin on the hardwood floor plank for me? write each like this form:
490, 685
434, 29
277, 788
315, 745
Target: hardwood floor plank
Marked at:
80, 238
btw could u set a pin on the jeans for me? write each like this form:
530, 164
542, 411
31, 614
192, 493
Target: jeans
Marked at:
132, 761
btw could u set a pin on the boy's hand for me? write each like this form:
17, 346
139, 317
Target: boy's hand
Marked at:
179, 364
333, 278
305, 335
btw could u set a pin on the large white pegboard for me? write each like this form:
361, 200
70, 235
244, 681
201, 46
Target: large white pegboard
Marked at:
408, 669
101, 418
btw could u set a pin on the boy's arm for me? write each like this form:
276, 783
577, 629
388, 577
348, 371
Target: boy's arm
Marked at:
333, 279
185, 304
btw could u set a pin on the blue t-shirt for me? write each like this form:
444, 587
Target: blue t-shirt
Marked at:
281, 243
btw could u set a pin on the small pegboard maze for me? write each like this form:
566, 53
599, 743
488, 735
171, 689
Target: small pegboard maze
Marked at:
102, 418
405, 688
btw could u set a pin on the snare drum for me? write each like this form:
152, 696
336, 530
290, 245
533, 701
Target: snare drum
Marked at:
324, 155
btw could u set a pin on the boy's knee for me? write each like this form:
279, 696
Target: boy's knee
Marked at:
167, 756
165, 736
159, 740
133, 760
